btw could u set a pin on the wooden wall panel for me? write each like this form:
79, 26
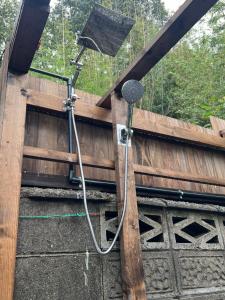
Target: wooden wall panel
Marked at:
47, 131
155, 152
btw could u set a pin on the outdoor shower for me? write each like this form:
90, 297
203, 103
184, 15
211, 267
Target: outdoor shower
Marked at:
104, 32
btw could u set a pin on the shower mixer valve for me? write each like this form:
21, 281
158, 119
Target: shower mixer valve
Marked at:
123, 133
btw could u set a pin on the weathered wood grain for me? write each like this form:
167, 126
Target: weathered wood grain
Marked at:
3, 84
90, 161
33, 15
218, 125
165, 155
11, 154
64, 157
143, 121
130, 251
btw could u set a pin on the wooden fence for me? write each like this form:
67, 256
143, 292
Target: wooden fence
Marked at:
167, 152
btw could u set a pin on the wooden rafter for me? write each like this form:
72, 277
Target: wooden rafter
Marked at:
30, 24
181, 22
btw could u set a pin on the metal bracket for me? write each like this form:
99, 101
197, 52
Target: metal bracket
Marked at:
122, 133
70, 102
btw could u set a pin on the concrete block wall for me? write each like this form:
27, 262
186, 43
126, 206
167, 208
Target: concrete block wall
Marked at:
183, 248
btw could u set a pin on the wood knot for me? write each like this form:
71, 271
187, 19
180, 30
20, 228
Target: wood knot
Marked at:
24, 92
222, 133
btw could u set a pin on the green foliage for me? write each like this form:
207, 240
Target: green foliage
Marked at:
8, 9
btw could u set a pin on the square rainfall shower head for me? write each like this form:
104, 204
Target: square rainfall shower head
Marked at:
107, 29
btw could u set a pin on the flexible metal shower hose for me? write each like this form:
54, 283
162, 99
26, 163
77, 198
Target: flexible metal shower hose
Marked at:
85, 195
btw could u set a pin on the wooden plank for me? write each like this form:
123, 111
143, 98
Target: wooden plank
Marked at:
143, 121
164, 154
180, 23
130, 250
64, 157
166, 173
168, 155
11, 153
96, 140
3, 85
218, 125
46, 87
30, 24
55, 103
43, 85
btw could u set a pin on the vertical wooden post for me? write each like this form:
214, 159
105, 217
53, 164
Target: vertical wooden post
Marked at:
130, 250
3, 84
12, 120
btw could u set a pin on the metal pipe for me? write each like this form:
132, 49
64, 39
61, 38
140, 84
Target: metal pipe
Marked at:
69, 112
172, 194
70, 127
49, 74
79, 55
71, 82
76, 75
71, 91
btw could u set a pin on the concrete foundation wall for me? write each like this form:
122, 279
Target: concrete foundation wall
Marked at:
183, 248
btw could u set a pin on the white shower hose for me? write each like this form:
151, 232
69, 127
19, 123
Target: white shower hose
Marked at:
85, 195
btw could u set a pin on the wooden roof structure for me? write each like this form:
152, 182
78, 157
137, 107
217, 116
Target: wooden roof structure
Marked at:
177, 26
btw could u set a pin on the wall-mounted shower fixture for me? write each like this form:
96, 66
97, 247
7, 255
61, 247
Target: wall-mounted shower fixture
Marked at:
132, 92
105, 31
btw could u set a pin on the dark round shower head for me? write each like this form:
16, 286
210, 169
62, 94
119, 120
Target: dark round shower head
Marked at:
132, 91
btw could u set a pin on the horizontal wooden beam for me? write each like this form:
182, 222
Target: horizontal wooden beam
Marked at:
178, 175
181, 22
29, 26
64, 157
55, 103
142, 120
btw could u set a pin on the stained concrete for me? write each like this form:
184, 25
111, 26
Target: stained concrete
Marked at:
63, 277
56, 258
58, 234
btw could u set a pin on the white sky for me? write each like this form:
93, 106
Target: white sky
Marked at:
173, 5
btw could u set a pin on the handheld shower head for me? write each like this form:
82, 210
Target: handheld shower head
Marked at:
132, 91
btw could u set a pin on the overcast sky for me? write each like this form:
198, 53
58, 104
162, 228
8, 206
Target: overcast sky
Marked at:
172, 5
